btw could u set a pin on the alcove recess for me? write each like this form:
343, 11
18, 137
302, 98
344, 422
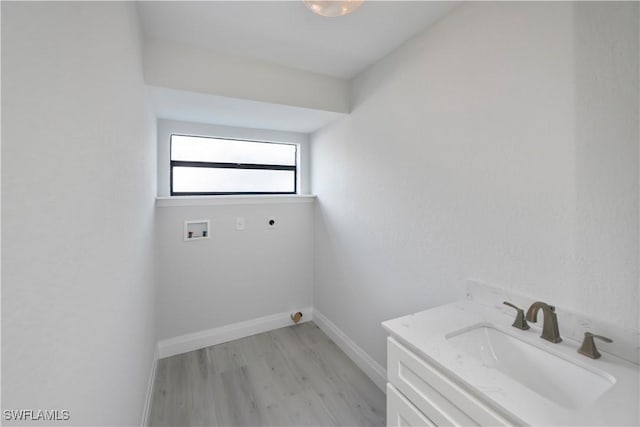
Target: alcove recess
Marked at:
196, 229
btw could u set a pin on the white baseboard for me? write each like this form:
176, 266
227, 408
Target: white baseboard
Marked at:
373, 369
152, 379
202, 339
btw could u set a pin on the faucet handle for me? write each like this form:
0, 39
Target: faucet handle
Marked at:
588, 347
520, 322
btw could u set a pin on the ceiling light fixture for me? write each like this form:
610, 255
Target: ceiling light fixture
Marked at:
332, 8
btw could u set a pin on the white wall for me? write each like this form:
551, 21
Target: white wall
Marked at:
236, 275
78, 187
606, 39
168, 127
178, 66
466, 156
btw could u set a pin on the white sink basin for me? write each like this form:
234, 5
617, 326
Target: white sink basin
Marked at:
548, 375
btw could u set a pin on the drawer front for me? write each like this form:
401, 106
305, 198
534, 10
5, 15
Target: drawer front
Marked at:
442, 400
401, 413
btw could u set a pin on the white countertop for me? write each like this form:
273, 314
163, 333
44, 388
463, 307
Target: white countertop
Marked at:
425, 333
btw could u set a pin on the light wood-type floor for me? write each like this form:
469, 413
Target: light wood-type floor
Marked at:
294, 376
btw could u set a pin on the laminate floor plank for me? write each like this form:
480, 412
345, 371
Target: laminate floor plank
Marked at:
159, 416
356, 382
225, 357
293, 376
238, 404
326, 376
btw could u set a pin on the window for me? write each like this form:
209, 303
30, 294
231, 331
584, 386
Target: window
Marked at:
213, 166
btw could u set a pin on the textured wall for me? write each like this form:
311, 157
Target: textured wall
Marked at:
78, 187
462, 158
236, 275
607, 115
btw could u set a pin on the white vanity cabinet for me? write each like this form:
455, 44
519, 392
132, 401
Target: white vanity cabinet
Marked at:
419, 394
463, 364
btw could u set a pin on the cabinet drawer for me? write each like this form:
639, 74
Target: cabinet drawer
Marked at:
401, 413
442, 400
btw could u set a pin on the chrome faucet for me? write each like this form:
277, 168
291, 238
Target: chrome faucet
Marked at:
550, 330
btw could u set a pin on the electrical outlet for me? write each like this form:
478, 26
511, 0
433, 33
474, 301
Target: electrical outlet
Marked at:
240, 223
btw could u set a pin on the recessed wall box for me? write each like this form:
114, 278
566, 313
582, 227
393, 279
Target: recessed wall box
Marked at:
196, 230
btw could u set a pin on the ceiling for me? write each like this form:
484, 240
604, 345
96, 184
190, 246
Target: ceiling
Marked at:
288, 34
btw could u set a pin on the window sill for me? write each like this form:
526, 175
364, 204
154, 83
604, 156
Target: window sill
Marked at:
175, 201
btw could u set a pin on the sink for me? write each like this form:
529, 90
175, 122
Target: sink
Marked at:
554, 378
